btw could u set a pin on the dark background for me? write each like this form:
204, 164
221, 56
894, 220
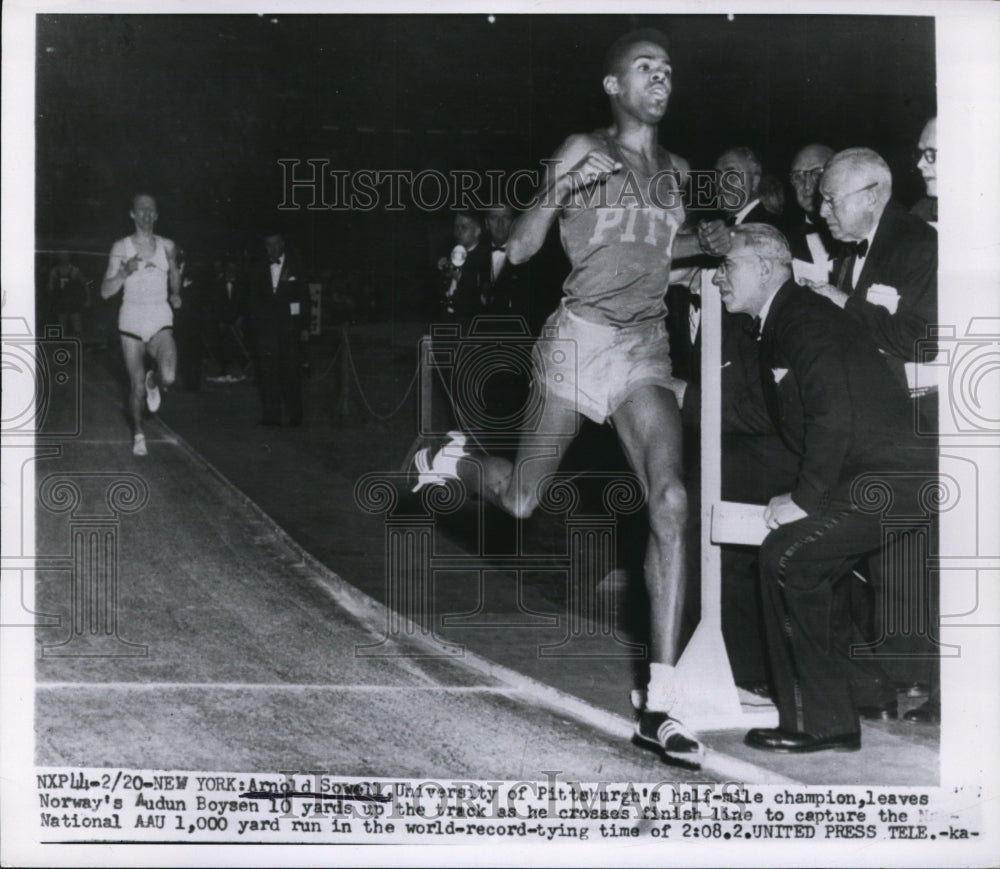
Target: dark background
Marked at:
198, 109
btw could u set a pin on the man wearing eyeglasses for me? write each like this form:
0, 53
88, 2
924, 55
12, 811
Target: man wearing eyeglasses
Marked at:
926, 160
808, 236
886, 274
837, 406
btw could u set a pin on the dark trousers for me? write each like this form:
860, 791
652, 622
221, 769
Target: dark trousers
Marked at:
279, 378
808, 621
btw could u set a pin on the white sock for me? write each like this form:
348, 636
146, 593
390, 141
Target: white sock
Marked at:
446, 460
661, 693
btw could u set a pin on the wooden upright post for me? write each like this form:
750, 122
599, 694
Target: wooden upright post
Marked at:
711, 700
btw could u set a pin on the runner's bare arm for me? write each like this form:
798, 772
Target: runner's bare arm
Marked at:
578, 163
118, 270
712, 238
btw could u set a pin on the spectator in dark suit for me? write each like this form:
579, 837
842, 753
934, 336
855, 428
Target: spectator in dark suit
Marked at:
808, 236
886, 274
508, 291
740, 174
463, 276
838, 408
67, 294
886, 279
227, 309
279, 316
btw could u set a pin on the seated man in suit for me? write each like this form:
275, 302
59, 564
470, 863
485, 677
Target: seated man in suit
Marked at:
808, 236
755, 462
837, 406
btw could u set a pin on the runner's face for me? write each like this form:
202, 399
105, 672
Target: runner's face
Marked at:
645, 81
144, 212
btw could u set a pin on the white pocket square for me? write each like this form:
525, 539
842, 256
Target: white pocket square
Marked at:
779, 374
290, 278
884, 296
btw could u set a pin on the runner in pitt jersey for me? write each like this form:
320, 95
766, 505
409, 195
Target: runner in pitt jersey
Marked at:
616, 193
143, 266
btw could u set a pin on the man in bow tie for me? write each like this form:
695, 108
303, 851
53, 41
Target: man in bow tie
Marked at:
836, 405
279, 308
808, 236
499, 296
886, 274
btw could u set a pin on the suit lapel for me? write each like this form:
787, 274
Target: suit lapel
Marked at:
881, 241
767, 355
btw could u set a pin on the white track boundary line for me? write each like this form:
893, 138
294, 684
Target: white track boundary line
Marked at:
271, 686
373, 616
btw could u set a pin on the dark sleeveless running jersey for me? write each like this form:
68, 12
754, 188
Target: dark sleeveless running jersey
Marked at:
619, 241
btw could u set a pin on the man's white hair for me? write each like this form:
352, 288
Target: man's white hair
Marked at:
866, 167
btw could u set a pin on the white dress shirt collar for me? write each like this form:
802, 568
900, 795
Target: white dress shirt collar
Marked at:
745, 210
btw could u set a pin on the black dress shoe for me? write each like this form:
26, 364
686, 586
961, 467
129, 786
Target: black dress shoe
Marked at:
888, 711
792, 742
925, 713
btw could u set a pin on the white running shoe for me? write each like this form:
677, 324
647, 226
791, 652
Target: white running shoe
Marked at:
436, 467
152, 392
139, 445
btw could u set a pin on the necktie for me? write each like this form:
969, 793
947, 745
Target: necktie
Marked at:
853, 250
276, 262
501, 247
811, 228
